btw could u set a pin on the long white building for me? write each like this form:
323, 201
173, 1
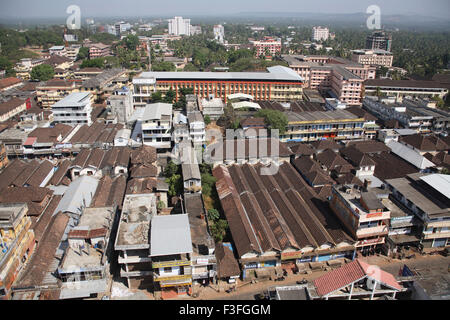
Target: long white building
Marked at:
179, 26
74, 109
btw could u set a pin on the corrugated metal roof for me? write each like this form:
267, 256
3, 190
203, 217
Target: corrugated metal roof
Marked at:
78, 195
410, 155
277, 73
170, 235
440, 182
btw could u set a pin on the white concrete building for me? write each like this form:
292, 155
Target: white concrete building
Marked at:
179, 26
121, 104
144, 87
197, 127
157, 125
320, 33
74, 109
219, 33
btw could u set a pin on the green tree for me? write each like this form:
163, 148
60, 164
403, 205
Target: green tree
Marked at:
208, 183
161, 205
93, 63
131, 42
83, 53
163, 66
42, 72
156, 97
175, 185
219, 230
274, 119
171, 169
213, 215
207, 119
170, 96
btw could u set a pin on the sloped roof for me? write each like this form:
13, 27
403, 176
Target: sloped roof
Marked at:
78, 195
410, 155
352, 272
227, 265
425, 143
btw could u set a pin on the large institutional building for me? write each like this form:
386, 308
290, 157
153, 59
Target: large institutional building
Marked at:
376, 57
266, 46
280, 84
341, 77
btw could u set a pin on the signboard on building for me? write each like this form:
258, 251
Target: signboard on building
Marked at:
291, 255
202, 261
369, 242
374, 215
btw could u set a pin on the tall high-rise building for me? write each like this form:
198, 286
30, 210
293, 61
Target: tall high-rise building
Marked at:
320, 33
379, 40
219, 33
179, 26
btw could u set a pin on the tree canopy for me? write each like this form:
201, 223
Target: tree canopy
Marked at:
274, 119
42, 72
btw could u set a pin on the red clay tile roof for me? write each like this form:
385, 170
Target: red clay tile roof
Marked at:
144, 155
11, 105
63, 167
144, 171
425, 143
349, 273
41, 224
8, 82
253, 122
227, 265
38, 176
87, 234
43, 258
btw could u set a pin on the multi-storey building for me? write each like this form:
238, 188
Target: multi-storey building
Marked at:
144, 87
319, 125
132, 240
74, 109
267, 46
97, 50
219, 33
342, 78
121, 27
197, 127
379, 40
17, 244
121, 104
410, 114
320, 34
84, 268
59, 50
406, 88
72, 51
179, 26
171, 255
11, 108
373, 57
280, 84
157, 125
428, 197
54, 90
363, 214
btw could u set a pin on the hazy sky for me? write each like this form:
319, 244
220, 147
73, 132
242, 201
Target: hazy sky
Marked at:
139, 8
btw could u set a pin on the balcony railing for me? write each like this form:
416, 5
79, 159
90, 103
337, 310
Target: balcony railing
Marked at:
170, 264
